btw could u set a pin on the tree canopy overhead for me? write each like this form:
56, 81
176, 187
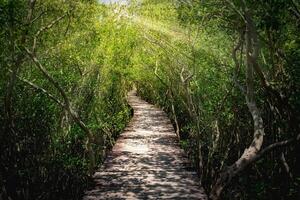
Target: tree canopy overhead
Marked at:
226, 72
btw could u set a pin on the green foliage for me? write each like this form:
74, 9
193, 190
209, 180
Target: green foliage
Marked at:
210, 109
44, 154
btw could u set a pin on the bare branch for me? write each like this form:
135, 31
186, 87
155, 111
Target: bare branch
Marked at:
37, 17
18, 60
236, 9
295, 9
30, 11
238, 64
156, 74
166, 45
186, 79
275, 146
49, 77
33, 85
44, 28
68, 107
254, 149
286, 165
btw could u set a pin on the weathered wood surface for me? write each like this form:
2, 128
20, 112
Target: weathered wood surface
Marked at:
146, 162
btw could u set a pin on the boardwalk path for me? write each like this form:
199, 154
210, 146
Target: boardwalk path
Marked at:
146, 162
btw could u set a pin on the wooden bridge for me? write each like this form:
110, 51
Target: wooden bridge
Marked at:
146, 162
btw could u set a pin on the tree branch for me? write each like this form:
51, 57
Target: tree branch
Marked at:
186, 79
156, 74
49, 77
275, 146
68, 107
295, 10
17, 62
237, 64
44, 28
37, 17
33, 85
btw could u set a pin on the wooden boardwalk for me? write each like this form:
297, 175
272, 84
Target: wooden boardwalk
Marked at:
146, 162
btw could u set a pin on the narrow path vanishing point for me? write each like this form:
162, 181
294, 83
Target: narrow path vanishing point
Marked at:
146, 162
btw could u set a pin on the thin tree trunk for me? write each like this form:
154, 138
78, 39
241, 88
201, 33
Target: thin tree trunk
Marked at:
17, 62
69, 109
254, 148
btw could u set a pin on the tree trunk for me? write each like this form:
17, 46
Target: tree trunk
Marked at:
251, 152
69, 109
17, 62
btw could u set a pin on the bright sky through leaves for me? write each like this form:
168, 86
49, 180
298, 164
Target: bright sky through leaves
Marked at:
113, 1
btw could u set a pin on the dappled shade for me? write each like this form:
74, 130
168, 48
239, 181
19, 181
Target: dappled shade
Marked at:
146, 162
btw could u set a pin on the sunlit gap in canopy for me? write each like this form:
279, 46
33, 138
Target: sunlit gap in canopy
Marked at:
123, 2
146, 23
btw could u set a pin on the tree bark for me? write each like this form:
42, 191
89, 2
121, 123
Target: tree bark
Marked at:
254, 148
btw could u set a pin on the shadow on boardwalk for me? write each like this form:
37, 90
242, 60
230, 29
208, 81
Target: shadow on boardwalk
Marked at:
146, 162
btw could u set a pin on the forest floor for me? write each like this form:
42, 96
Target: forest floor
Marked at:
146, 161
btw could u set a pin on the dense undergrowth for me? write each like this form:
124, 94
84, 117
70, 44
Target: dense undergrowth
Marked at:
226, 72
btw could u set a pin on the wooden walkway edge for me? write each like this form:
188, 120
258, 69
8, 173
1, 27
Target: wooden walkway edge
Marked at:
146, 162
